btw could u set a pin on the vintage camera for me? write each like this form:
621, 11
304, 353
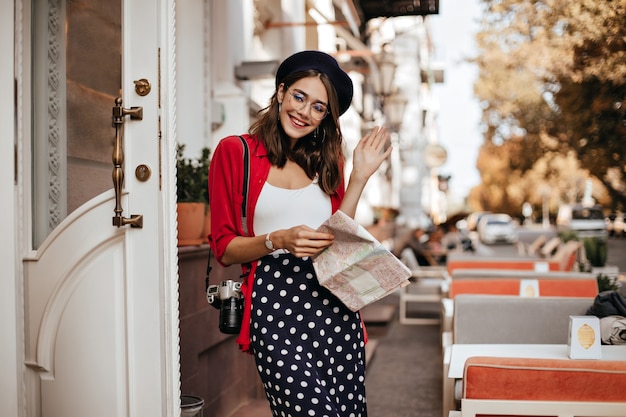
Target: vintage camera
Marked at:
227, 297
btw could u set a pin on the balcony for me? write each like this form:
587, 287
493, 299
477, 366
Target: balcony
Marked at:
371, 9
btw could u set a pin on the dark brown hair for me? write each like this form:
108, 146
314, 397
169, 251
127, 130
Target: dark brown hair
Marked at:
318, 153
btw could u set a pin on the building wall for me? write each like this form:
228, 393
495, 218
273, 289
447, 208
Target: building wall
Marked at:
212, 366
192, 102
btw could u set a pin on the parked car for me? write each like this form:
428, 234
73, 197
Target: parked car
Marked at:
615, 224
497, 228
474, 218
585, 221
619, 225
608, 222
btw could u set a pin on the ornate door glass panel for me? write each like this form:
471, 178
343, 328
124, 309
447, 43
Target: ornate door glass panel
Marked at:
76, 66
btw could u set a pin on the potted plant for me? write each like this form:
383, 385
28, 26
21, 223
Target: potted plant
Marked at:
192, 196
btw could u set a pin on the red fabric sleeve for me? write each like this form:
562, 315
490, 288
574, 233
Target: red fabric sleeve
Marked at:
225, 193
340, 192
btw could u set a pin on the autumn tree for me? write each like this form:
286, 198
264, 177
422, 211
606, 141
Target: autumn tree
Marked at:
552, 82
507, 185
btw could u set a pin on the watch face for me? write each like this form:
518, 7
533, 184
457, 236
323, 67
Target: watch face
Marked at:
269, 244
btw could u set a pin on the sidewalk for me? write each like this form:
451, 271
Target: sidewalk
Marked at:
404, 377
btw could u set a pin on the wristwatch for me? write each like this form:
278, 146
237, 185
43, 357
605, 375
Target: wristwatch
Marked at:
268, 242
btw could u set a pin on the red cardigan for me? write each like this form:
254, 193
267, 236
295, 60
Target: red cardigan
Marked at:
225, 195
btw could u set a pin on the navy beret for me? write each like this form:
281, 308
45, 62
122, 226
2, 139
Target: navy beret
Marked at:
322, 62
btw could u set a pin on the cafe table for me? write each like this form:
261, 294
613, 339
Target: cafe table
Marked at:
459, 353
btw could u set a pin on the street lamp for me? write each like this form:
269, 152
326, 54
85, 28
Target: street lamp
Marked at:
383, 84
385, 101
394, 106
380, 85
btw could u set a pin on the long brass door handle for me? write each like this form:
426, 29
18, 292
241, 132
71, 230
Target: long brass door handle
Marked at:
119, 114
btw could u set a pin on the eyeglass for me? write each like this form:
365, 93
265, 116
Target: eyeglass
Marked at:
299, 102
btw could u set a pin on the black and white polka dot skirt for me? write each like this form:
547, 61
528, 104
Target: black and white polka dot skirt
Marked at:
308, 346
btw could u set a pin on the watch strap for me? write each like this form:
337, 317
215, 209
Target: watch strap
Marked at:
268, 242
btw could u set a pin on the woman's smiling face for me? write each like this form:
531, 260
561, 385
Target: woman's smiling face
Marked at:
303, 106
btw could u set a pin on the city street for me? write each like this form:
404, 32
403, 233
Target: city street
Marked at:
616, 254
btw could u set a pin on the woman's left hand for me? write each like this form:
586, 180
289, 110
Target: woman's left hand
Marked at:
370, 153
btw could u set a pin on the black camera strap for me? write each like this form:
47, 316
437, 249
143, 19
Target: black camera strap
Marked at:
244, 208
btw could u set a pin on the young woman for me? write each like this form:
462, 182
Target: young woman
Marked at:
308, 347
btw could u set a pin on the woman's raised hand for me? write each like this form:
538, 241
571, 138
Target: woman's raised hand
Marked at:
370, 153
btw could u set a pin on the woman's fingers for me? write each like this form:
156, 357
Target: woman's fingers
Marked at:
375, 141
370, 152
303, 241
374, 138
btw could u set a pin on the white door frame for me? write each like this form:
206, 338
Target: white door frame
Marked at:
14, 164
10, 318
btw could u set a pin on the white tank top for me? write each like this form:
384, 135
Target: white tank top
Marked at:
281, 208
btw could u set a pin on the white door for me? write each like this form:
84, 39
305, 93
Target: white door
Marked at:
100, 295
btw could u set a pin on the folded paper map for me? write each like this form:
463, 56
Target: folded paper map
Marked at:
357, 268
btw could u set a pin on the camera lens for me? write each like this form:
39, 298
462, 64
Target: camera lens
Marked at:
231, 314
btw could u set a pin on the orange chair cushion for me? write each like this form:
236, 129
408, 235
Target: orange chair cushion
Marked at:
521, 264
544, 379
561, 287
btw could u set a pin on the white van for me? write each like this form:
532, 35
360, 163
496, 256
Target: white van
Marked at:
585, 221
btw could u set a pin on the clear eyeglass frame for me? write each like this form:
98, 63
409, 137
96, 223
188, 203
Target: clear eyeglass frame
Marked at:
298, 101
